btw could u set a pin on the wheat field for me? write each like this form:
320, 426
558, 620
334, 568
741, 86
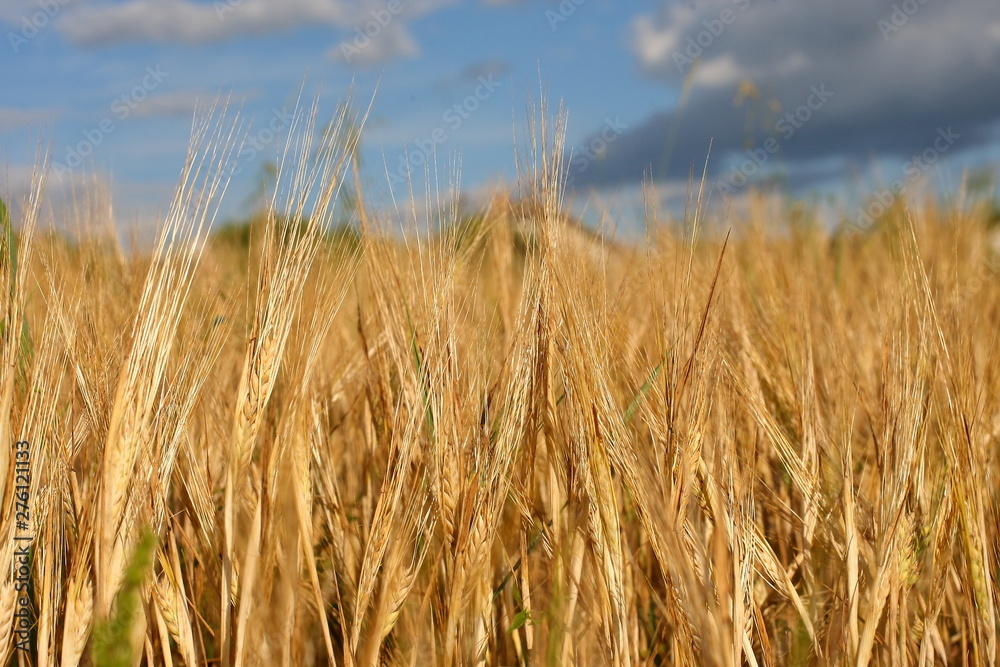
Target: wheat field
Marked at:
500, 439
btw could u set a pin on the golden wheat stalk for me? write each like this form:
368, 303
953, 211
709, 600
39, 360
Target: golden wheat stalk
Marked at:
171, 273
14, 282
288, 256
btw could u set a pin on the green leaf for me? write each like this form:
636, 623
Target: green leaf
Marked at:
10, 246
519, 619
10, 328
633, 406
113, 636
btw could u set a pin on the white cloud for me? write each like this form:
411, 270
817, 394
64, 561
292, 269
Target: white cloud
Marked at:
181, 103
372, 32
721, 71
190, 22
655, 41
389, 43
11, 118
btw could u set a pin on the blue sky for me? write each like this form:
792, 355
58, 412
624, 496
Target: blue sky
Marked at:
818, 94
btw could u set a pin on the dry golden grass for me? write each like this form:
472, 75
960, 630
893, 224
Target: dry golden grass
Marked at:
743, 441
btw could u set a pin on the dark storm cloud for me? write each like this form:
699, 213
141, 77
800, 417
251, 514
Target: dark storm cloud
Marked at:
892, 73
